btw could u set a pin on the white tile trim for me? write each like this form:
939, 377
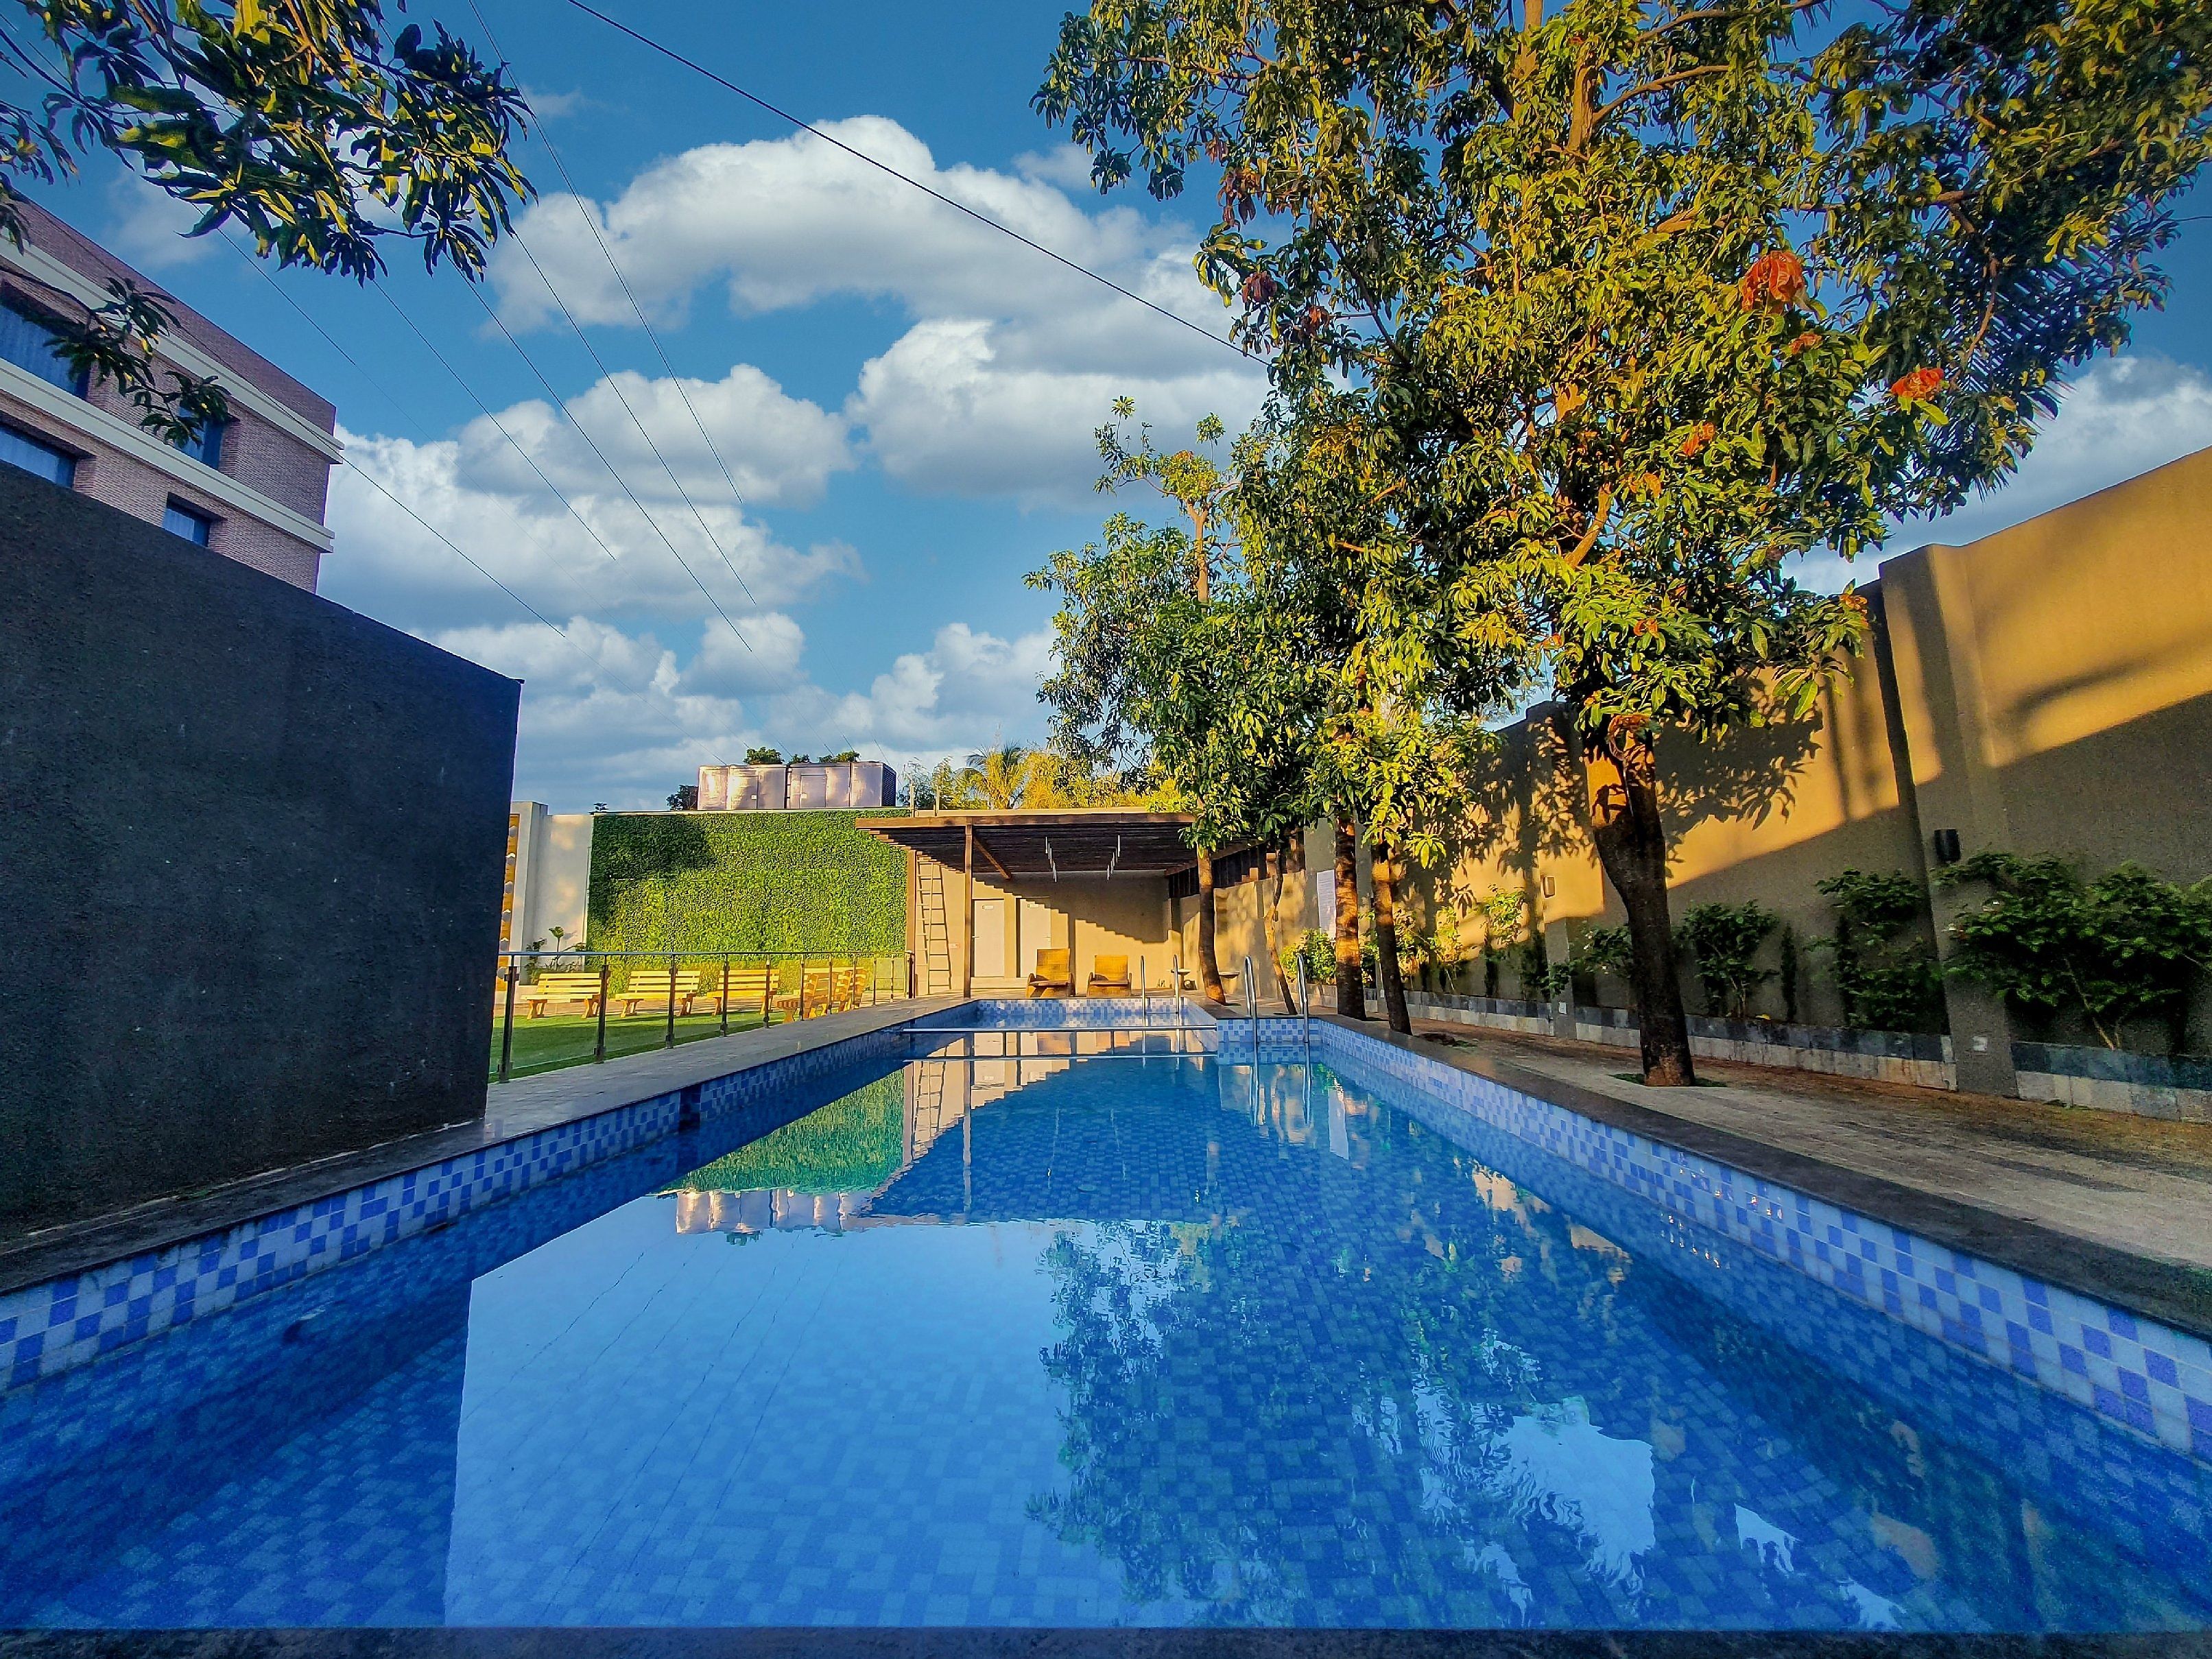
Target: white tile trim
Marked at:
142, 446
43, 267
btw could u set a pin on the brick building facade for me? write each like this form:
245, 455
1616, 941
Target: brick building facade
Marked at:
255, 493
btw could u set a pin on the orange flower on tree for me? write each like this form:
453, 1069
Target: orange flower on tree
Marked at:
1775, 278
1700, 435
1803, 343
1917, 386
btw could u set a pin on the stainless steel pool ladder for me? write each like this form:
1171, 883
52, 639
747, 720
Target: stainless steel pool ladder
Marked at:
1252, 998
1305, 1007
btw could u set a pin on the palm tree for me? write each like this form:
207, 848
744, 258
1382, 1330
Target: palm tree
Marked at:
1009, 776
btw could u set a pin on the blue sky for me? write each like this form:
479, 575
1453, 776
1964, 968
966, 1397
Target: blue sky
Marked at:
905, 399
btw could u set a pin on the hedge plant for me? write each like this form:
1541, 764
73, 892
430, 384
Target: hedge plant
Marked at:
851, 1146
1725, 938
2126, 946
700, 883
1884, 971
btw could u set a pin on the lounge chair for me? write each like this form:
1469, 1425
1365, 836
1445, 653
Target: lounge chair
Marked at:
1055, 976
1109, 976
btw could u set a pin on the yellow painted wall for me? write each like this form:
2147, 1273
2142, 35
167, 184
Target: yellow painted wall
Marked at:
2047, 689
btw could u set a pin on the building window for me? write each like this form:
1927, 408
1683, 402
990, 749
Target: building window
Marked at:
29, 344
208, 446
181, 520
57, 466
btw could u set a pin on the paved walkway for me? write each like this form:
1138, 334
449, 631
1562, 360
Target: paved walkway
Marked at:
2114, 1206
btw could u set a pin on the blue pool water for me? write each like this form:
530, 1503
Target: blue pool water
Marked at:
1035, 1341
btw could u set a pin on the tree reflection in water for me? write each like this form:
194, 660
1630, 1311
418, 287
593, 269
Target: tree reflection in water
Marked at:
1378, 1383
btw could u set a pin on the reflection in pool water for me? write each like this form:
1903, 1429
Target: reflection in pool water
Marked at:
1034, 1341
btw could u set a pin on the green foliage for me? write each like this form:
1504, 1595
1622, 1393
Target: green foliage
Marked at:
704, 883
1583, 320
2124, 947
1725, 940
1607, 950
314, 128
1319, 950
1177, 658
1884, 971
761, 755
851, 1146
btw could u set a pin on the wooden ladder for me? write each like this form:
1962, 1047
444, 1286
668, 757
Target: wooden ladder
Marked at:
936, 935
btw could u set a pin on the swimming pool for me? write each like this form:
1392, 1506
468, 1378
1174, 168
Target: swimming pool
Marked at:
1133, 1337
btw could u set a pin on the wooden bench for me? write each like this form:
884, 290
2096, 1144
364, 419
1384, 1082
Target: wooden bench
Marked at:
654, 985
552, 988
812, 997
748, 988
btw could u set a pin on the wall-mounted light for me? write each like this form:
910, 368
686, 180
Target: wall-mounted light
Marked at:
1946, 845
1544, 882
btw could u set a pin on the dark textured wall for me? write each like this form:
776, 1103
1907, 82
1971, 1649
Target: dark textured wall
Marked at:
252, 848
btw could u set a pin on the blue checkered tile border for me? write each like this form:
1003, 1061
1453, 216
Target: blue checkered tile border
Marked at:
63, 1323
2153, 1380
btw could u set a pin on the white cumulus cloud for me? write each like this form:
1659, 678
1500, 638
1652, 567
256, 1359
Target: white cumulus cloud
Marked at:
1011, 360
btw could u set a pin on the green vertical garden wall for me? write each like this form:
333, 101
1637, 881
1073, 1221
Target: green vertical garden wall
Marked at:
703, 883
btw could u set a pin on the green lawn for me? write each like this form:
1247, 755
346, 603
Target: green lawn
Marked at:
558, 1039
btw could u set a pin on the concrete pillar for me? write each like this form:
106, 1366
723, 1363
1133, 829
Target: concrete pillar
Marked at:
1926, 640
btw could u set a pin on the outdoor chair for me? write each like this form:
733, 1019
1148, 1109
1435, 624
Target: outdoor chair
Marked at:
1109, 976
1054, 975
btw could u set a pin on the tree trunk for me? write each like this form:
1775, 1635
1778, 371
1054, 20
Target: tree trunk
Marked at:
1275, 862
1351, 995
1631, 845
1385, 872
1209, 970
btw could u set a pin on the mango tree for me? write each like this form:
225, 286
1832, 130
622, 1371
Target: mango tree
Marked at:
1634, 299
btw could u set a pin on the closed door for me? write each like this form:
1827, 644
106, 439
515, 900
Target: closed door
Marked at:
990, 939
1036, 934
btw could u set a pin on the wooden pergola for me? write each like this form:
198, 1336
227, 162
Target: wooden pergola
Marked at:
1110, 844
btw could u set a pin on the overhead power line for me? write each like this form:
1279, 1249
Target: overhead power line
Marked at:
498, 425
591, 221
614, 385
371, 479
577, 427
724, 82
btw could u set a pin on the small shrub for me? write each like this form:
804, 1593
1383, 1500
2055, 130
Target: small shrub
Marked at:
1725, 941
1886, 974
2126, 946
1319, 950
1606, 950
